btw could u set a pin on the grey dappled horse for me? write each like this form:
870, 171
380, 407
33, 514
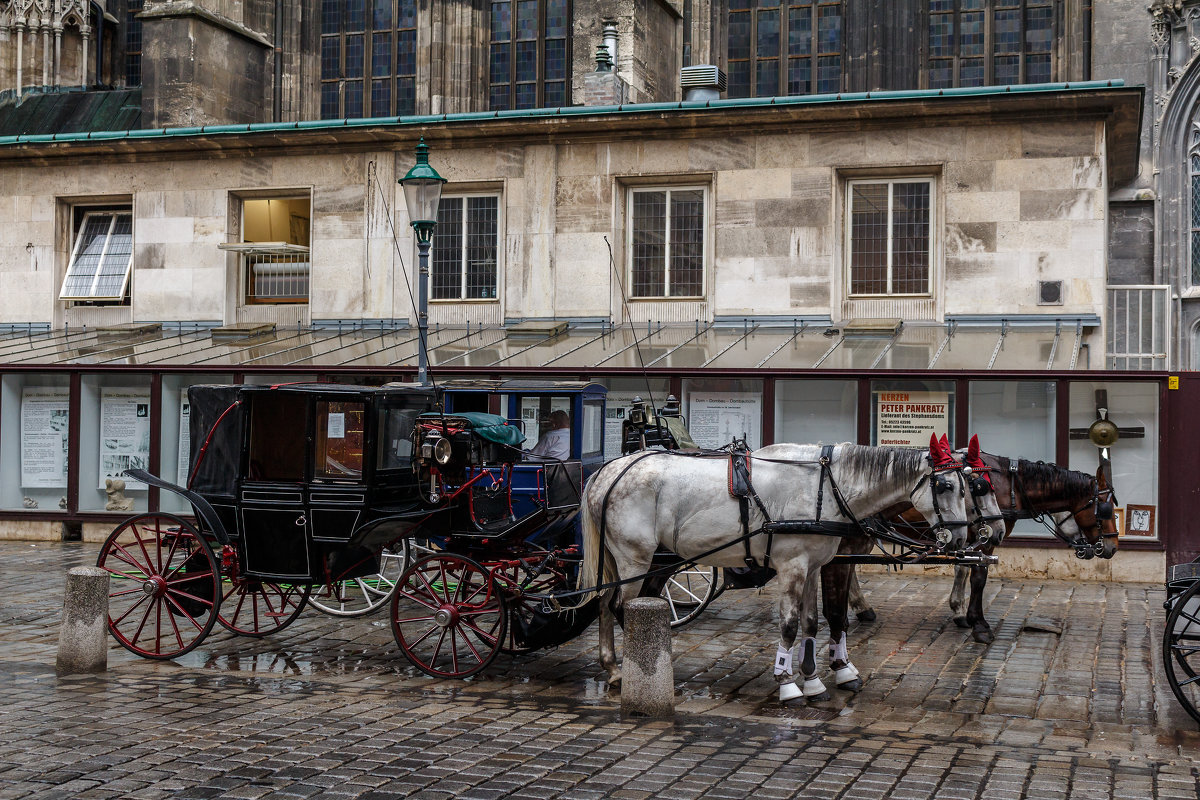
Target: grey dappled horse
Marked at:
682, 503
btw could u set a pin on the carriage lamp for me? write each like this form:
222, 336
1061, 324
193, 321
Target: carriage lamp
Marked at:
422, 194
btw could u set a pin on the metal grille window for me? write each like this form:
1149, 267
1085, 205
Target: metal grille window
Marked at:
990, 42
101, 258
465, 245
274, 249
133, 43
889, 225
780, 48
368, 58
666, 242
529, 54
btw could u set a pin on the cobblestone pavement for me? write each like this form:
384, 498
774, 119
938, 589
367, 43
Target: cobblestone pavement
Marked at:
1068, 702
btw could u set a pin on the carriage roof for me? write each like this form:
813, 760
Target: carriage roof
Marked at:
217, 473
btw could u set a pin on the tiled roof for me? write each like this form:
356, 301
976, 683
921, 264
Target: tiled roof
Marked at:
72, 111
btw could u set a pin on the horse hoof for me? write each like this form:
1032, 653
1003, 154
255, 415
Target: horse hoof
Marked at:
961, 622
866, 616
854, 685
983, 636
789, 692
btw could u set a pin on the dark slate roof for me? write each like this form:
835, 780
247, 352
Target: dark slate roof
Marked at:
72, 112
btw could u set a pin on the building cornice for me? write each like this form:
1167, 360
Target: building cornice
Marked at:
1117, 106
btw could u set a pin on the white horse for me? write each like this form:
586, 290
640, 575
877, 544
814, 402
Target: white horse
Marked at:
639, 502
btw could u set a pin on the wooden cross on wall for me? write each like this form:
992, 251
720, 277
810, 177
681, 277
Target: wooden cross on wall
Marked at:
1104, 433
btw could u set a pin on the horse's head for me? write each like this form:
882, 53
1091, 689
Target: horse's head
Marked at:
1094, 518
953, 497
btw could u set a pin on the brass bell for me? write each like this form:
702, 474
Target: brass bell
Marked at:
1103, 433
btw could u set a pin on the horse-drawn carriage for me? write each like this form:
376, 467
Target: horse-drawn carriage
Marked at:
315, 493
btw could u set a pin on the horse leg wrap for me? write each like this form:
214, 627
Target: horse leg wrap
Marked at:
839, 660
789, 691
783, 661
808, 667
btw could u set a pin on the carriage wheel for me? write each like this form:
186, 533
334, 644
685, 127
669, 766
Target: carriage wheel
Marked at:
358, 596
1181, 649
252, 607
689, 590
448, 616
164, 586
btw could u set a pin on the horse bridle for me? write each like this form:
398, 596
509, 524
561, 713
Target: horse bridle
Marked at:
1102, 502
940, 484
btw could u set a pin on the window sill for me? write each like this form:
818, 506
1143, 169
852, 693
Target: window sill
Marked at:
472, 300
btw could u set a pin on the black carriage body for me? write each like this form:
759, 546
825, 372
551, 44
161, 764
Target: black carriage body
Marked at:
307, 479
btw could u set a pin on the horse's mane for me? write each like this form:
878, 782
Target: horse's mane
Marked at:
879, 465
1059, 479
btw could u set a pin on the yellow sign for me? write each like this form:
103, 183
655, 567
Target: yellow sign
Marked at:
1173, 382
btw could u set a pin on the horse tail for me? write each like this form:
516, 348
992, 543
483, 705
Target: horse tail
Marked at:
589, 571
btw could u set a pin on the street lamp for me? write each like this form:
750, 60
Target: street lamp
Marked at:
422, 194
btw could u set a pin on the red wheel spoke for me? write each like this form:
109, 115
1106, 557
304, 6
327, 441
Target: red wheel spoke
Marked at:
130, 559
470, 647
183, 613
131, 609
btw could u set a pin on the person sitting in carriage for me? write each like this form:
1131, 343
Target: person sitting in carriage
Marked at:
555, 443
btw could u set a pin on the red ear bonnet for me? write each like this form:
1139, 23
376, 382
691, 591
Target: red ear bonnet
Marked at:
975, 462
939, 452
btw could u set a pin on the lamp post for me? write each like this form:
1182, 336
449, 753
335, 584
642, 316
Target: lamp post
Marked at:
422, 194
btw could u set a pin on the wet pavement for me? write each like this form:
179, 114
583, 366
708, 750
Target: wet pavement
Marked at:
1069, 702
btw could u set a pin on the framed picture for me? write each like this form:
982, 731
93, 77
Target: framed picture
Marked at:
1139, 520
1119, 519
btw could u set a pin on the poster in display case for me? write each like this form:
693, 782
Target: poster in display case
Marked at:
44, 434
124, 434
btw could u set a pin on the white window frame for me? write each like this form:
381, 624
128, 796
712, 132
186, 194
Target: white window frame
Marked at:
91, 295
292, 258
704, 234
462, 249
848, 231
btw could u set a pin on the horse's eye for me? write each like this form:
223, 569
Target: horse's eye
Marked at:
1104, 510
980, 487
942, 485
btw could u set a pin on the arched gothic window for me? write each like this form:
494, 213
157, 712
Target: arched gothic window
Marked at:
1194, 204
990, 42
781, 48
368, 58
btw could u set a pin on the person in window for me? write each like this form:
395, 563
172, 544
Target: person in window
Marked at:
556, 442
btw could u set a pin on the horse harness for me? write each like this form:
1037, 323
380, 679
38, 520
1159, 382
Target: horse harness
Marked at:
742, 488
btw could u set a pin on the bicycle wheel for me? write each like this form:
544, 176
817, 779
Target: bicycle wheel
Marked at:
689, 590
358, 596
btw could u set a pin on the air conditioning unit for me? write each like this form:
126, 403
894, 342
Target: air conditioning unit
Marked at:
1050, 293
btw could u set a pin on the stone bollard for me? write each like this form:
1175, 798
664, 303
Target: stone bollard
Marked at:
647, 675
83, 636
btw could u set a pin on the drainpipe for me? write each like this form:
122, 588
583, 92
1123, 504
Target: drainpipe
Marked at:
277, 101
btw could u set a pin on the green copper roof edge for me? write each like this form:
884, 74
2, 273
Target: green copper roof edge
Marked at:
545, 113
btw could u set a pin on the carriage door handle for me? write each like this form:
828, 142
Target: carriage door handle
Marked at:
301, 521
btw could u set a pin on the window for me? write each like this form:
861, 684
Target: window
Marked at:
101, 257
529, 54
340, 430
274, 249
666, 242
465, 246
990, 42
368, 58
784, 48
133, 43
888, 226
